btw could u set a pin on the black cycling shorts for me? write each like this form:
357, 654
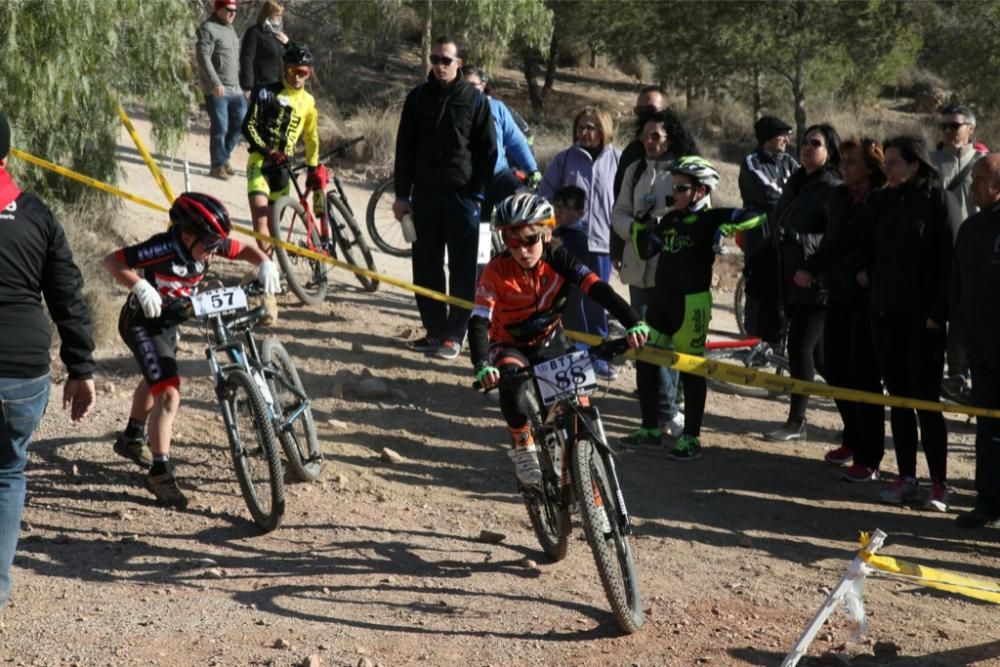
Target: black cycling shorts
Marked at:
153, 345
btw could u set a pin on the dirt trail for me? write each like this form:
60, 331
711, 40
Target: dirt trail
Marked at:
381, 564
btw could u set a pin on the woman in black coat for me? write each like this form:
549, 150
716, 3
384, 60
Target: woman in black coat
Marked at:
262, 48
802, 216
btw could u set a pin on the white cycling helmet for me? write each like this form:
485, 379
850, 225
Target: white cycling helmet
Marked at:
524, 209
698, 169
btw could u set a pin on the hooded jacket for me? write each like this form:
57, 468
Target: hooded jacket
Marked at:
595, 176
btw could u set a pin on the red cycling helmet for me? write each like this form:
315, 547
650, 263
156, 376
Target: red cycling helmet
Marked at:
203, 215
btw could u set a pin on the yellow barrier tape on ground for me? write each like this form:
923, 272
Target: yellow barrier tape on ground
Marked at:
86, 180
150, 162
685, 363
988, 591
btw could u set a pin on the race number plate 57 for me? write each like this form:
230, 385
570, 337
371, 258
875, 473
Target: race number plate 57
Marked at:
569, 375
219, 301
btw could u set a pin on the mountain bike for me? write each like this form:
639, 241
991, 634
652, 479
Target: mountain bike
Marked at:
322, 226
260, 395
579, 474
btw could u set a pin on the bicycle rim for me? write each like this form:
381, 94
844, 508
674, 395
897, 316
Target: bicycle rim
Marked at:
768, 363
550, 517
255, 456
350, 241
383, 227
611, 547
740, 305
306, 277
300, 442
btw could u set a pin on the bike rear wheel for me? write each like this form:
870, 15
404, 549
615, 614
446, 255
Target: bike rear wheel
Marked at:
383, 227
549, 515
740, 305
769, 362
255, 455
306, 277
299, 440
349, 239
607, 537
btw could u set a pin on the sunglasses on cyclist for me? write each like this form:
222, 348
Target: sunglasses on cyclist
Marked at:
950, 127
681, 188
301, 72
212, 243
441, 60
513, 242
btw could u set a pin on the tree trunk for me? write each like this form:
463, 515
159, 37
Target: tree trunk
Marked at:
799, 95
535, 92
550, 66
757, 102
428, 35
593, 56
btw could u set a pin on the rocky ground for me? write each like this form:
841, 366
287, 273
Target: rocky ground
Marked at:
385, 563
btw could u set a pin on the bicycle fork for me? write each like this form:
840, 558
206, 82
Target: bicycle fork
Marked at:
595, 427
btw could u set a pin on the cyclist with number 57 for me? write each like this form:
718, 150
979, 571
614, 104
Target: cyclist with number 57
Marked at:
517, 319
158, 272
279, 114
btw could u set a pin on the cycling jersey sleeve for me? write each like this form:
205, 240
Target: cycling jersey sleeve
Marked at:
260, 99
576, 272
740, 220
155, 249
310, 135
482, 313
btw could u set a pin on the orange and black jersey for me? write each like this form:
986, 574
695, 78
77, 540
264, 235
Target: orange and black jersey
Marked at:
523, 307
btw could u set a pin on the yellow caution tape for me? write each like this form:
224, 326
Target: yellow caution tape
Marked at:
150, 162
684, 363
988, 591
86, 180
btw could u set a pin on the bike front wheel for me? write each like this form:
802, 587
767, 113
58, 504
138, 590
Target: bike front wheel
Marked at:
306, 277
298, 438
349, 239
255, 454
383, 227
609, 540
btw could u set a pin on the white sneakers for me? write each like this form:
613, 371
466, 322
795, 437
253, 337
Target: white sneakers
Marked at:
526, 466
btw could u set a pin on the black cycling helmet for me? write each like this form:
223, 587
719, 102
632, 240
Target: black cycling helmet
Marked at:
203, 215
522, 209
296, 54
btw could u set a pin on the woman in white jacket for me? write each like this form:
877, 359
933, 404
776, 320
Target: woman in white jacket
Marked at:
646, 191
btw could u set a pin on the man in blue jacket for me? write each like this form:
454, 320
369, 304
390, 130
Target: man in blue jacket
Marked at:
445, 152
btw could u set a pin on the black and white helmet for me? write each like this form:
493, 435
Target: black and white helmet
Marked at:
524, 209
698, 169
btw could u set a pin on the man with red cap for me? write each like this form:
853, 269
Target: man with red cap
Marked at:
218, 55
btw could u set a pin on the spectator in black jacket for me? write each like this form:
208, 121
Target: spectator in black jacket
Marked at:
445, 152
848, 353
974, 285
802, 215
35, 262
263, 44
910, 259
763, 174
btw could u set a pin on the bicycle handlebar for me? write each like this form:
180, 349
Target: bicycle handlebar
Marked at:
336, 151
605, 350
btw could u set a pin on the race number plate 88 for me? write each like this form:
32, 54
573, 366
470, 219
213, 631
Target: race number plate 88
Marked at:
219, 301
569, 375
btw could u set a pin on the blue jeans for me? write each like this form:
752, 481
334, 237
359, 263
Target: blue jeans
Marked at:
225, 117
450, 220
583, 313
640, 298
22, 404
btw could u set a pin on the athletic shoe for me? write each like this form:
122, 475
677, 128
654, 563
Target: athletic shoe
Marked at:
425, 344
604, 370
977, 518
787, 433
674, 427
956, 389
644, 437
688, 448
526, 467
938, 500
133, 450
229, 169
164, 487
902, 491
219, 173
860, 473
841, 456
449, 349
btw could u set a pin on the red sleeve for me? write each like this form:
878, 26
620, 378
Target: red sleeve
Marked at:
231, 248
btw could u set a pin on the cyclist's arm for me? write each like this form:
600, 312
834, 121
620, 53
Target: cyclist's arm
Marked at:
310, 135
577, 272
479, 323
251, 122
738, 220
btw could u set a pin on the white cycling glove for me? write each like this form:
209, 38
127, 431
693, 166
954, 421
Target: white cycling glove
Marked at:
267, 276
149, 298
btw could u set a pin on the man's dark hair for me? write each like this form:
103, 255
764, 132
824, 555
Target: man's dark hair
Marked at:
448, 39
959, 110
572, 196
653, 89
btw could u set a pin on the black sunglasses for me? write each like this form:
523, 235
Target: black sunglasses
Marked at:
644, 110
681, 188
441, 60
950, 127
513, 242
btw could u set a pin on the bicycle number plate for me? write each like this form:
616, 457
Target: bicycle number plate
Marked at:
219, 301
569, 375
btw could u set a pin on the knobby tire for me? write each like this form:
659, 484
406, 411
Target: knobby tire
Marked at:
349, 239
300, 443
549, 514
383, 228
306, 277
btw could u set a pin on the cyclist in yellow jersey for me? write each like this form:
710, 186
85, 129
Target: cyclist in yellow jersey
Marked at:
279, 114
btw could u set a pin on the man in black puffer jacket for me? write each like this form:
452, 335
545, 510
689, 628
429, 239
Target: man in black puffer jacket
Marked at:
445, 152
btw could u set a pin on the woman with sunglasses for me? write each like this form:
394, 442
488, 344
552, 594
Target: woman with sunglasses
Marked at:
681, 306
590, 164
517, 319
802, 216
169, 265
909, 260
646, 192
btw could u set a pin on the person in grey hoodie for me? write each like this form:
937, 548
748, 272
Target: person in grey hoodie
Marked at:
590, 164
218, 56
